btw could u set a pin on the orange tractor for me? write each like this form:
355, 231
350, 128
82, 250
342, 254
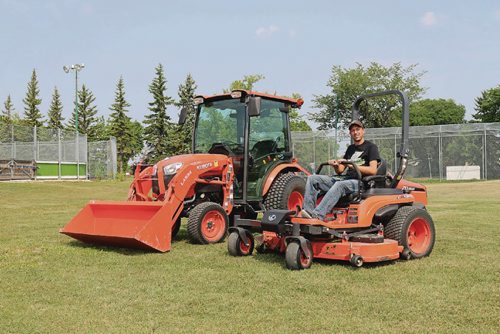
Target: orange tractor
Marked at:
386, 220
242, 164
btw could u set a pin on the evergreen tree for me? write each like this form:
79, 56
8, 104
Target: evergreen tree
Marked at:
87, 111
158, 129
7, 116
120, 126
55, 111
33, 117
185, 131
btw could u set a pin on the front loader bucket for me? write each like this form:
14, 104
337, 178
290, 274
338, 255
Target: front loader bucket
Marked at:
145, 225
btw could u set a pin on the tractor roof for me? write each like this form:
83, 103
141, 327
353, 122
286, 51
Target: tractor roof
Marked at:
295, 103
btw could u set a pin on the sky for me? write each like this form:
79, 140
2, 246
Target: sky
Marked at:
294, 44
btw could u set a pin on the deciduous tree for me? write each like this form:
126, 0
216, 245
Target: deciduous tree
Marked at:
488, 106
346, 84
436, 111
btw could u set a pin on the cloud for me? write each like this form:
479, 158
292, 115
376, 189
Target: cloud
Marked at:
266, 31
429, 19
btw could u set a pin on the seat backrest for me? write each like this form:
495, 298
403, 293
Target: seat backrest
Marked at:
382, 167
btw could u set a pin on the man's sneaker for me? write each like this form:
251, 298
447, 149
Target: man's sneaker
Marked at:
305, 214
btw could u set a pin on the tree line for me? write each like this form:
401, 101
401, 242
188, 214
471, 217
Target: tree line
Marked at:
162, 137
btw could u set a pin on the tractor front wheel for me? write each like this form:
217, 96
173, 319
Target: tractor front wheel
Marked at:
207, 223
295, 257
413, 229
236, 246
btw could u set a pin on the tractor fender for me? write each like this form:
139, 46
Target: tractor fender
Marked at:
387, 211
292, 167
304, 244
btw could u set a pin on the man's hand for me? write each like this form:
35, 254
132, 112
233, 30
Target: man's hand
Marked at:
336, 163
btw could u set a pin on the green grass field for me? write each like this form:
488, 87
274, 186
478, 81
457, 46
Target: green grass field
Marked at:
53, 284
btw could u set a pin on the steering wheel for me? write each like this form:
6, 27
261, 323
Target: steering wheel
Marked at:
221, 148
347, 163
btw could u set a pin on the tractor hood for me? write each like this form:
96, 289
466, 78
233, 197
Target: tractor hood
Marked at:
153, 182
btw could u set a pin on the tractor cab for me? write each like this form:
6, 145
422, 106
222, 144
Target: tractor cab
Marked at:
252, 128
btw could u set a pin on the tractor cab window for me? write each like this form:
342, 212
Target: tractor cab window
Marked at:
268, 131
220, 126
268, 143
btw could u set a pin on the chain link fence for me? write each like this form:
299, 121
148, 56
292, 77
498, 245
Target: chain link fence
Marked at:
455, 151
44, 153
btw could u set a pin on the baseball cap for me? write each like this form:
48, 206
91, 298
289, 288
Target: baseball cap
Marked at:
356, 122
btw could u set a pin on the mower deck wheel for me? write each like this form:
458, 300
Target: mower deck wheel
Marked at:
295, 258
356, 261
236, 246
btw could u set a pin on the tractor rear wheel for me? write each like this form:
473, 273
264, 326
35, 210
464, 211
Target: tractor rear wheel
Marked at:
236, 246
413, 229
286, 192
207, 223
295, 258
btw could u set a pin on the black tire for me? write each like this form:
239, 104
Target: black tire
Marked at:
281, 189
400, 227
200, 226
236, 247
356, 261
176, 227
295, 258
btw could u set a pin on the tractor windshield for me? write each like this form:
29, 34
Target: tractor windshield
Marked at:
220, 122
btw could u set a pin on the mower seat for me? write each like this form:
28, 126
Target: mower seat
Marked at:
379, 179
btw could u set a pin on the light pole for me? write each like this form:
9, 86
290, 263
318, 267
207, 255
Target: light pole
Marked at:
75, 68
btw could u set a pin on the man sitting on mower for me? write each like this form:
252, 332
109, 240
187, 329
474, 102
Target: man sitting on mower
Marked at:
361, 151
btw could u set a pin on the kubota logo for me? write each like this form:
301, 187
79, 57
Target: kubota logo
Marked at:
204, 166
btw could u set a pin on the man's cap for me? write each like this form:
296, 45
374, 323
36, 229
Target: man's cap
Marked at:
356, 122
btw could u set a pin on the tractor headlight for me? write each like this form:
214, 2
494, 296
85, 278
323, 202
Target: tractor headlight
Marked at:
172, 168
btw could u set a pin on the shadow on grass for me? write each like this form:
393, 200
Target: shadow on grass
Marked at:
113, 249
278, 258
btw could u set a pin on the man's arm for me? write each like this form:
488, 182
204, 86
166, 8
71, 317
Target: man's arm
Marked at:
369, 170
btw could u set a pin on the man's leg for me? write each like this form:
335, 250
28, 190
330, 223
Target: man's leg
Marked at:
315, 184
339, 189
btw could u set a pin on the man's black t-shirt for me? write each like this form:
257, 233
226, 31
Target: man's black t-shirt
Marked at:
361, 155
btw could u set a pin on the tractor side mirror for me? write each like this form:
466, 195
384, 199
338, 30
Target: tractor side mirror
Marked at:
254, 106
183, 115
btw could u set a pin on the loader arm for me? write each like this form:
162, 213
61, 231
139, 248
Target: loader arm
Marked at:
147, 222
